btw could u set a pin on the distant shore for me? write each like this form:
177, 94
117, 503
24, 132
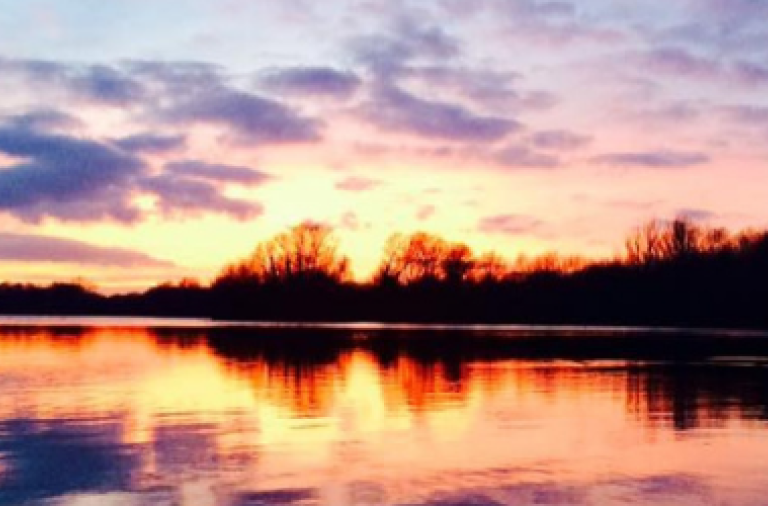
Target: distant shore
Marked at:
674, 274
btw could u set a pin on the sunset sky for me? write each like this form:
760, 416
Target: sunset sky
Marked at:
150, 140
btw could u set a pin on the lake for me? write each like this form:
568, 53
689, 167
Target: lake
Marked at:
152, 412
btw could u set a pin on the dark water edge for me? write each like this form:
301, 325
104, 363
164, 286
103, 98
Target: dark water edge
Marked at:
426, 341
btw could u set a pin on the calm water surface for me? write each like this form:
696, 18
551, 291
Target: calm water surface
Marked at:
99, 415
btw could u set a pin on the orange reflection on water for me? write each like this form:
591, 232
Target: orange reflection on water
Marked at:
201, 418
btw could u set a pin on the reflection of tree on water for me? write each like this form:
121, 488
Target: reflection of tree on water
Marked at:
690, 396
304, 370
335, 396
64, 336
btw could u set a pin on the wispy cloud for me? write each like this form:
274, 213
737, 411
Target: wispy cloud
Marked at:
523, 157
42, 248
310, 81
510, 224
249, 118
357, 184
560, 140
396, 110
661, 159
152, 143
217, 172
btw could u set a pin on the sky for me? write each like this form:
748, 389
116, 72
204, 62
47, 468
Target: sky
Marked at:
144, 141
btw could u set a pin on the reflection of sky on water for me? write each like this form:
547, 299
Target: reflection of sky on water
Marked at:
124, 417
58, 457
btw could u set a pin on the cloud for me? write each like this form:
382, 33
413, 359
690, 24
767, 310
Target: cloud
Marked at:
275, 497
40, 248
746, 114
252, 119
357, 184
664, 114
349, 221
177, 77
44, 119
59, 173
529, 9
680, 62
490, 89
101, 84
425, 212
749, 73
218, 172
653, 159
696, 214
511, 224
151, 143
559, 140
407, 40
311, 81
684, 63
726, 25
107, 85
185, 197
74, 179
523, 157
398, 111
551, 22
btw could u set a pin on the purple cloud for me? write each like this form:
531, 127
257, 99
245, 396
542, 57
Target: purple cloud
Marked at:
396, 110
357, 184
105, 84
387, 53
40, 248
184, 197
746, 114
653, 159
59, 172
217, 172
252, 119
682, 63
559, 140
696, 214
550, 22
491, 89
75, 179
100, 84
751, 74
523, 157
311, 81
44, 119
511, 224
151, 143
175, 78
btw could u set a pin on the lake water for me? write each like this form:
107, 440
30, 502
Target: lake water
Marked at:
97, 414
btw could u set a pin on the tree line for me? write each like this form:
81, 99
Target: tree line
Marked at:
671, 272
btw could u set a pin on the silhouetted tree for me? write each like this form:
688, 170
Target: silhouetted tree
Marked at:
423, 257
645, 244
673, 272
307, 252
490, 267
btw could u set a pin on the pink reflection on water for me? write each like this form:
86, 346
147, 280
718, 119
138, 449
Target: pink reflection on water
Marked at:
176, 416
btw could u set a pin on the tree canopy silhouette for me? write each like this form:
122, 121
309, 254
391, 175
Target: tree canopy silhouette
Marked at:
423, 258
306, 253
676, 272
